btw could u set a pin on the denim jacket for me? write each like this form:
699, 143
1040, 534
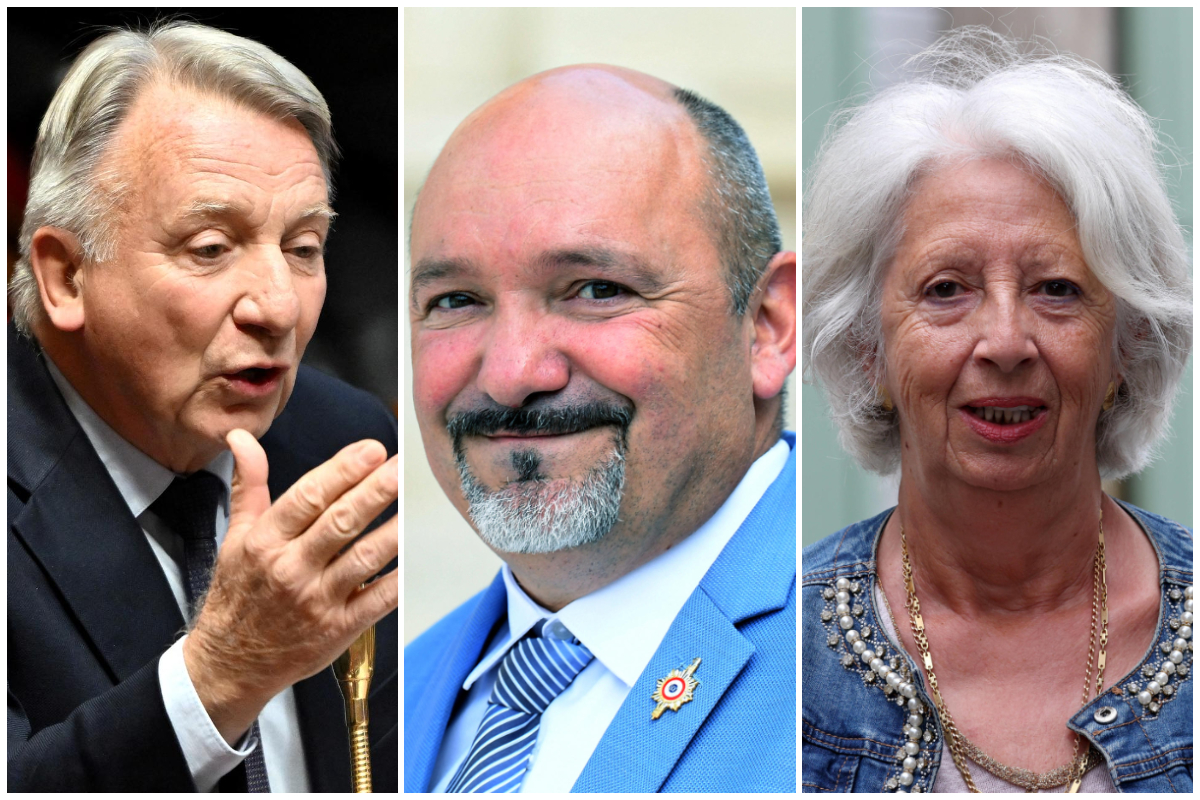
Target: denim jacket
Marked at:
856, 732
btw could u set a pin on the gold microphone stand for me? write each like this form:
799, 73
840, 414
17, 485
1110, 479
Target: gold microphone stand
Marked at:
354, 669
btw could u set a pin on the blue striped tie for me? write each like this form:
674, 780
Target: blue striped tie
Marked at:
534, 672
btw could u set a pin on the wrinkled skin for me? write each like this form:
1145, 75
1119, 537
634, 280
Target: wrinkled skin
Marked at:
989, 296
152, 335
149, 338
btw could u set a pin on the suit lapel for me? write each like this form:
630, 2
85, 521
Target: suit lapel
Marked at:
636, 753
423, 740
117, 591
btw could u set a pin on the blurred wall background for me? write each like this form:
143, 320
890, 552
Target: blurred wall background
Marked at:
354, 64
454, 60
848, 51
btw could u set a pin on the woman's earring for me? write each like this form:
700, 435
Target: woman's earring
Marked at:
1110, 396
885, 399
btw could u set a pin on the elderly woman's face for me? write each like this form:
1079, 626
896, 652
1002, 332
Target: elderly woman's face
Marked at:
998, 338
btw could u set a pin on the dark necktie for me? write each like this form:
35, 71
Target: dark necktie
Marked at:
533, 673
189, 508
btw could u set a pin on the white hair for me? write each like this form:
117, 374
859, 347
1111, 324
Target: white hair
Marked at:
977, 94
66, 189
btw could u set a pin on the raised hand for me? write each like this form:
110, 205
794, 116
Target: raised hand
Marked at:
285, 598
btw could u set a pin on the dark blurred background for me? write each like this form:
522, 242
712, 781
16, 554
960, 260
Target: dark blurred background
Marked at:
352, 57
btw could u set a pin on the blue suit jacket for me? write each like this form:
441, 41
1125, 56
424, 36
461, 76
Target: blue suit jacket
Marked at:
739, 732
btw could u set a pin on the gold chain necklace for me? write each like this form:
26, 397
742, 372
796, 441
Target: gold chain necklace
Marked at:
959, 746
1029, 780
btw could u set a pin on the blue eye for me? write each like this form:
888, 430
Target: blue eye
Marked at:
600, 290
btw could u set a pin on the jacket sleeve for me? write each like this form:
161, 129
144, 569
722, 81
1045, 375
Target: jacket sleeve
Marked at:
121, 740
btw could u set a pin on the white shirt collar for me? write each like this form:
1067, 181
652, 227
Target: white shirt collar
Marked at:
624, 622
139, 478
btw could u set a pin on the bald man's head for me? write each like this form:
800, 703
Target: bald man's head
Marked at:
608, 90
577, 372
660, 130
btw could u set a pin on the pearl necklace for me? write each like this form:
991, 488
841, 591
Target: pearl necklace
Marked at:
958, 743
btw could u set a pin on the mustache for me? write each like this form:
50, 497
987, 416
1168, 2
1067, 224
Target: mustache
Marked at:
560, 420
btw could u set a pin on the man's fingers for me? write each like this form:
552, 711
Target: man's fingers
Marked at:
375, 601
249, 496
363, 561
352, 512
308, 498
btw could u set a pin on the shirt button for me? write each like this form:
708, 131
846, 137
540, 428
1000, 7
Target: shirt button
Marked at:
1105, 715
556, 630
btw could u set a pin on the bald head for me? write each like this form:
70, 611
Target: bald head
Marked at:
619, 90
573, 126
598, 118
576, 368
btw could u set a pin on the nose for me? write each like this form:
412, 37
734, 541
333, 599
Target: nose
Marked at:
522, 358
269, 301
1007, 336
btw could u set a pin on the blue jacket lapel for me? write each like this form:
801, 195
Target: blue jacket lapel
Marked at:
753, 575
636, 753
427, 715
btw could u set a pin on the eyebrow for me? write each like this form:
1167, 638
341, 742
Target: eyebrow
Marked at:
627, 265
621, 265
215, 209
431, 270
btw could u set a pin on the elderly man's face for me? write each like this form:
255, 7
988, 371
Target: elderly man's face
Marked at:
999, 339
197, 324
568, 309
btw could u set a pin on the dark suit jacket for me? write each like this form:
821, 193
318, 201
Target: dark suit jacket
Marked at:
90, 611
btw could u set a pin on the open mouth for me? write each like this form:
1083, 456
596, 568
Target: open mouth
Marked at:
255, 382
258, 376
1007, 416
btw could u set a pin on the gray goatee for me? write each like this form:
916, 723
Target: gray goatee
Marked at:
534, 514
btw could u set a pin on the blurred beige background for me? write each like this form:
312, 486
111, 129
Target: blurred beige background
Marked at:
454, 60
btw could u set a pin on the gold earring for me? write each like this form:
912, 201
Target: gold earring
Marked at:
1110, 396
885, 399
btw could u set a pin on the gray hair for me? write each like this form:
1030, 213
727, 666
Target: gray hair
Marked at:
66, 188
737, 204
977, 94
532, 515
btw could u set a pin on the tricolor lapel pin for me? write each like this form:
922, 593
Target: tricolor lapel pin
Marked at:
674, 690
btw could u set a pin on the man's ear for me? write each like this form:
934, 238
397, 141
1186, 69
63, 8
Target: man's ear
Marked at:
773, 354
56, 257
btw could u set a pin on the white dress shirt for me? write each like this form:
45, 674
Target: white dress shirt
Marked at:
623, 625
140, 480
